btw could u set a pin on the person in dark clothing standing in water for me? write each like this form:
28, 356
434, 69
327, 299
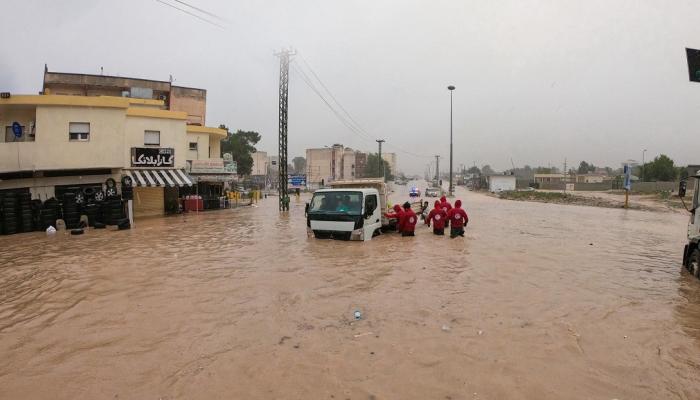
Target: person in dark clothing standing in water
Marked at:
437, 218
410, 220
458, 219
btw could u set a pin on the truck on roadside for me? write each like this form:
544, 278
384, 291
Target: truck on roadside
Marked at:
348, 210
691, 252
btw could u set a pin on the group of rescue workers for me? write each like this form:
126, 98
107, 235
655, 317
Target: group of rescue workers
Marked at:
442, 216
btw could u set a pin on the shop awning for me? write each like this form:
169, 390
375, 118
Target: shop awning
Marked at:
159, 177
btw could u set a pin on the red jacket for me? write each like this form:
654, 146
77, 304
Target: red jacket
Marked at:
437, 217
410, 219
399, 215
446, 206
458, 217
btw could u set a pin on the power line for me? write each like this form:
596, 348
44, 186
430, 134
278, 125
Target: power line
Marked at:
191, 14
202, 11
356, 127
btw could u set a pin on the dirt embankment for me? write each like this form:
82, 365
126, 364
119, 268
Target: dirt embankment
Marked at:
661, 202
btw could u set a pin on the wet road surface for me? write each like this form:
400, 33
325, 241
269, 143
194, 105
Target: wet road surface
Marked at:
539, 301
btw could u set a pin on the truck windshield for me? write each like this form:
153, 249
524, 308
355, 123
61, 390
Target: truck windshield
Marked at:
346, 202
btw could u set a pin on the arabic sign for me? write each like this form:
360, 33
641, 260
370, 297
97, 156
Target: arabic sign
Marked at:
152, 157
211, 166
296, 181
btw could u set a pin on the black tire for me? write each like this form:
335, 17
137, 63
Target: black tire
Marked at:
99, 196
110, 183
127, 182
99, 225
78, 231
694, 263
111, 192
80, 198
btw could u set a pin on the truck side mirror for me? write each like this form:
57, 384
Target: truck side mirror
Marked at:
682, 186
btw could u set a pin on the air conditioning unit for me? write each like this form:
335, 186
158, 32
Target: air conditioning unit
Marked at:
125, 93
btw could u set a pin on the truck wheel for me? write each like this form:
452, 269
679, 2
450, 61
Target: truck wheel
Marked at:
694, 263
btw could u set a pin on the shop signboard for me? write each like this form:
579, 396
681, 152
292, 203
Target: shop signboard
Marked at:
296, 181
211, 166
151, 157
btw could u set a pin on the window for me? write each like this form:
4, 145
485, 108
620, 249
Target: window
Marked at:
79, 131
193, 146
10, 134
370, 203
151, 138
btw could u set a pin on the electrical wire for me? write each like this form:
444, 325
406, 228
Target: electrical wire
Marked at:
191, 14
356, 127
202, 10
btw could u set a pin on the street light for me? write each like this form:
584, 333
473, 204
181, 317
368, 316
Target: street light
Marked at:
643, 167
451, 88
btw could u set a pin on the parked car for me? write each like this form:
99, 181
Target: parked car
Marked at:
432, 192
414, 192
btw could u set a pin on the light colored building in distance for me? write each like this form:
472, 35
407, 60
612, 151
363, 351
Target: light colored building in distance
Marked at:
550, 178
334, 163
260, 163
501, 183
390, 158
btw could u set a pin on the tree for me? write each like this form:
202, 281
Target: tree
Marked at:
584, 168
474, 170
374, 169
299, 165
487, 170
241, 145
660, 169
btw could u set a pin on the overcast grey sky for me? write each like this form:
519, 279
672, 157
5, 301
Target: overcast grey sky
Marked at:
537, 81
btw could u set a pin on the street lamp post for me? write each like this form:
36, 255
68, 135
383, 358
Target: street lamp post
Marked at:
643, 166
451, 88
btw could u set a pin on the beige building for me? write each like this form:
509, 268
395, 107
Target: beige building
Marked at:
550, 178
261, 163
192, 101
390, 158
77, 141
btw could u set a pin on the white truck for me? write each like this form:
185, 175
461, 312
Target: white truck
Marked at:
691, 252
349, 210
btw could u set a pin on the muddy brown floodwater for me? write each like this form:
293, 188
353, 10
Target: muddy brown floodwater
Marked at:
538, 301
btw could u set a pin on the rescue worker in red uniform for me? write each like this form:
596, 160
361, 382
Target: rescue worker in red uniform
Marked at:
398, 215
458, 218
410, 219
437, 217
446, 207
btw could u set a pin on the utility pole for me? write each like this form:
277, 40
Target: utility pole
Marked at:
437, 169
282, 142
566, 175
451, 88
381, 160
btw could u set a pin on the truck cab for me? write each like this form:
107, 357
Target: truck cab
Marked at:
345, 213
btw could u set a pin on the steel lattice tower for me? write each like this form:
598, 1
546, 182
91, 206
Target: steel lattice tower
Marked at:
282, 143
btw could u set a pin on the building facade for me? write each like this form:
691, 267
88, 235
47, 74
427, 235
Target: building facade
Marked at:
58, 142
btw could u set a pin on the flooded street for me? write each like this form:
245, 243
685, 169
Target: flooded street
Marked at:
538, 301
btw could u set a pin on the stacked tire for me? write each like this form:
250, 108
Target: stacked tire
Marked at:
26, 217
49, 213
112, 211
9, 214
71, 213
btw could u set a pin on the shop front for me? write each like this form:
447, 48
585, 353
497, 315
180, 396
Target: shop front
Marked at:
157, 183
213, 178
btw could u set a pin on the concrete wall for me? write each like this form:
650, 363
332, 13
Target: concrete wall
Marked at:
602, 186
650, 187
202, 152
260, 163
172, 132
190, 100
348, 165
52, 148
501, 183
318, 165
552, 186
